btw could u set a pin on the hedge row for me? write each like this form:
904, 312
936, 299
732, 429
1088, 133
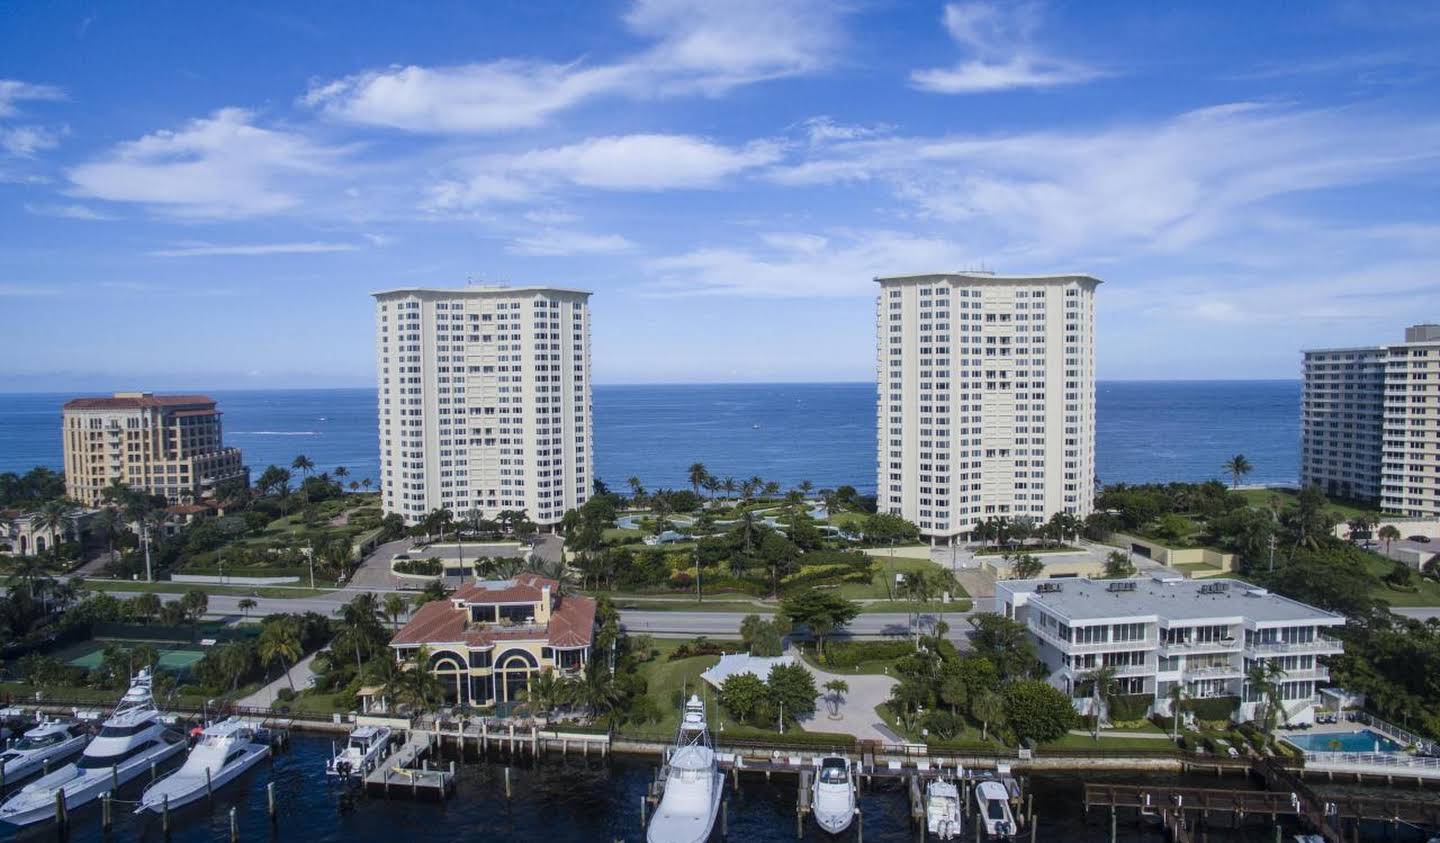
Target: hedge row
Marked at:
846, 654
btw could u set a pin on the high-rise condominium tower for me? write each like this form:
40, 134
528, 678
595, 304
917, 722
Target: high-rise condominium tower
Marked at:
986, 398
1370, 423
484, 400
167, 445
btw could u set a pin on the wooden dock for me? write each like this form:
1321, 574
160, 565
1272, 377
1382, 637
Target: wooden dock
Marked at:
406, 771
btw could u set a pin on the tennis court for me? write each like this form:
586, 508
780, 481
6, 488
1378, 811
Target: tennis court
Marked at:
90, 654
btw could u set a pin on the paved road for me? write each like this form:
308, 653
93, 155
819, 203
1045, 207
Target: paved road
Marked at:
1419, 613
876, 625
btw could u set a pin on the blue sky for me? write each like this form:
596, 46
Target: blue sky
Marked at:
203, 197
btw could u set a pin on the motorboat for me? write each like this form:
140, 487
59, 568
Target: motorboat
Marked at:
363, 750
693, 785
992, 803
131, 739
832, 796
224, 751
48, 742
943, 815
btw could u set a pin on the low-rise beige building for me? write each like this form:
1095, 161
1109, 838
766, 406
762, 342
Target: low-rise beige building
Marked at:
167, 445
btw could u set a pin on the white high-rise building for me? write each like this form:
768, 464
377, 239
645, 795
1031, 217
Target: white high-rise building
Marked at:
986, 398
484, 400
1370, 423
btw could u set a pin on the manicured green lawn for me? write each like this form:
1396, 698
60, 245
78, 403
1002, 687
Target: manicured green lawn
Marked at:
1261, 497
1427, 593
1109, 743
885, 575
847, 520
620, 534
876, 667
664, 678
170, 587
310, 702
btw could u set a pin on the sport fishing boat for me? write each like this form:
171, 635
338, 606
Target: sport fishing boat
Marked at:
992, 802
942, 810
130, 740
694, 785
363, 750
832, 796
48, 742
224, 751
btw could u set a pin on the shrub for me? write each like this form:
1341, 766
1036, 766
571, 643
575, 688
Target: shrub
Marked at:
698, 647
423, 567
1213, 708
847, 654
1038, 711
1130, 707
285, 695
942, 724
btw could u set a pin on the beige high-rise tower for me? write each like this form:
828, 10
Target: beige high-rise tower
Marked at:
484, 398
167, 445
986, 398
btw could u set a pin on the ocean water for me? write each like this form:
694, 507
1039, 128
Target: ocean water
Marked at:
575, 800
824, 433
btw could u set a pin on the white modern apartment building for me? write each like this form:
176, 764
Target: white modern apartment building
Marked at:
1156, 632
484, 400
1370, 423
986, 398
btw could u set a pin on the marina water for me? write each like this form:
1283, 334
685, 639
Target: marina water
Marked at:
593, 800
824, 433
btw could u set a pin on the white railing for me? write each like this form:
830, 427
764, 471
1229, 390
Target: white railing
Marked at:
1212, 672
1400, 760
1321, 643
1196, 646
1390, 730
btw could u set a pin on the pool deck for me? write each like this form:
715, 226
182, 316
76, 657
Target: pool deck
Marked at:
1386, 764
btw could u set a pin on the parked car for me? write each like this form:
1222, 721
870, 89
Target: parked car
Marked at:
1420, 539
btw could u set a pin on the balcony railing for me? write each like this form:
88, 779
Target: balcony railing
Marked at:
1321, 643
1175, 647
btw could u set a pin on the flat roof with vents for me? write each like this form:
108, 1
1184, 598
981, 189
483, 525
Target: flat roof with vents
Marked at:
1079, 600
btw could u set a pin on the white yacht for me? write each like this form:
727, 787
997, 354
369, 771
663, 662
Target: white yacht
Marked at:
363, 750
832, 796
693, 787
943, 816
130, 740
48, 742
992, 803
224, 751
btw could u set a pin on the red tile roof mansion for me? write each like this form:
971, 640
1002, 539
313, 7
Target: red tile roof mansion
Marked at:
487, 638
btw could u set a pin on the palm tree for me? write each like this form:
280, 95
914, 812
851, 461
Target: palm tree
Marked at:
246, 604
147, 605
367, 483
598, 690
729, 485
1388, 534
637, 490
806, 487
1237, 467
988, 707
280, 641
1102, 685
53, 518
236, 659
1177, 694
303, 464
109, 523
395, 607
341, 472
1263, 677
698, 475
838, 688
544, 692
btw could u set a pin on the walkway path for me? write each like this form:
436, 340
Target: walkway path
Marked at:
301, 674
857, 708
1108, 733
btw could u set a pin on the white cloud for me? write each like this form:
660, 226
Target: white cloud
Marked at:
218, 166
13, 91
646, 162
804, 265
26, 290
822, 129
621, 162
552, 243
67, 211
1003, 57
191, 250
697, 47
473, 98
25, 141
1159, 186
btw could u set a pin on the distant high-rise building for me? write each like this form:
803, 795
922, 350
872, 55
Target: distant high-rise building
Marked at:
167, 445
1370, 423
484, 400
986, 398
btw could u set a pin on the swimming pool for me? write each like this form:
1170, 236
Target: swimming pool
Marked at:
1360, 740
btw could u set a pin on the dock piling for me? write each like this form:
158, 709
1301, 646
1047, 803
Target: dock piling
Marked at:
1033, 820
270, 801
209, 789
724, 819
234, 826
644, 803
61, 819
507, 782
165, 817
105, 813
859, 826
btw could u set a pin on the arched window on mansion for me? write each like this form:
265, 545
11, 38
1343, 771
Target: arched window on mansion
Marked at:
490, 637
